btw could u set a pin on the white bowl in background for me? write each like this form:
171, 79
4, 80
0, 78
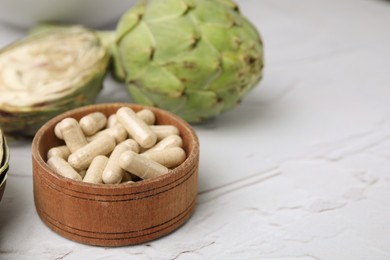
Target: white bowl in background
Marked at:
91, 13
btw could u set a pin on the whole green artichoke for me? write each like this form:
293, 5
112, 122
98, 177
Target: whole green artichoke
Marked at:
47, 73
196, 58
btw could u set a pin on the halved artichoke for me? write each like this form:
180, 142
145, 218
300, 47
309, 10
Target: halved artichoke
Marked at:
4, 160
196, 58
48, 73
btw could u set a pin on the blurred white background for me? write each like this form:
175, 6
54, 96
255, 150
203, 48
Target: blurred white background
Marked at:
93, 13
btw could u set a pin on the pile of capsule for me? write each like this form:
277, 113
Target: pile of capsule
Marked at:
124, 147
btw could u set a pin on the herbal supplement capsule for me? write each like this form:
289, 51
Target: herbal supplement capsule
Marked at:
93, 122
113, 173
112, 120
137, 128
57, 132
62, 167
95, 170
141, 166
117, 131
163, 131
73, 135
82, 158
59, 151
147, 116
167, 142
169, 157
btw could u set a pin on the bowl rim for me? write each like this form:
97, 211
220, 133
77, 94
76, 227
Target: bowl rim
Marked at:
74, 185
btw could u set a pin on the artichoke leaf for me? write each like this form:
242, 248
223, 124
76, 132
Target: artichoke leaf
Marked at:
206, 103
181, 29
158, 80
164, 10
229, 3
135, 52
130, 19
210, 12
143, 96
197, 68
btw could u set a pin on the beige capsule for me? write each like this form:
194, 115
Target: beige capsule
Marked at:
141, 166
117, 131
167, 142
62, 167
93, 122
136, 127
59, 151
147, 116
82, 158
57, 132
112, 121
113, 173
95, 170
169, 157
73, 135
163, 131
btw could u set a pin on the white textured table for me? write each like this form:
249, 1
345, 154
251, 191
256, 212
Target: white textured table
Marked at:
301, 170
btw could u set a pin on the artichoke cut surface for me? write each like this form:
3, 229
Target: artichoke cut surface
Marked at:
196, 58
48, 73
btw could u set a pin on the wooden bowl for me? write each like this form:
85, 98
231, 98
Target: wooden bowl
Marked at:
115, 214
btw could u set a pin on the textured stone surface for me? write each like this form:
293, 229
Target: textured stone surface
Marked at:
301, 170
